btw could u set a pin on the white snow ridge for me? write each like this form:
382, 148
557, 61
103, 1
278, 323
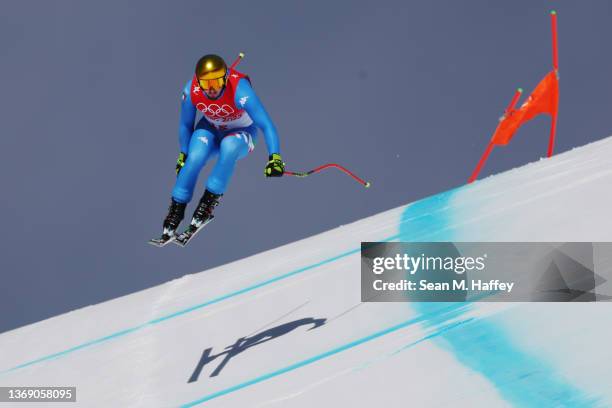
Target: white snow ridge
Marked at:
286, 328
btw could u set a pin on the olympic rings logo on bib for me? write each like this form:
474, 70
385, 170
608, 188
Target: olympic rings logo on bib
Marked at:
215, 111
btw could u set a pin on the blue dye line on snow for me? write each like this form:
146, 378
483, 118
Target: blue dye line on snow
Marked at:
520, 377
437, 333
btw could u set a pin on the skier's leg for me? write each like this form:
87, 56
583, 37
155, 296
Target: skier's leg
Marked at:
202, 146
233, 147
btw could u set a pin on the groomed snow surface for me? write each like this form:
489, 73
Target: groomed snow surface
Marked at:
286, 328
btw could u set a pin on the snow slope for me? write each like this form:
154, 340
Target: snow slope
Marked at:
302, 337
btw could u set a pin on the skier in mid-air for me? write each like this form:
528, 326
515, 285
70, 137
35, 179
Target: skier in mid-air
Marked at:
231, 114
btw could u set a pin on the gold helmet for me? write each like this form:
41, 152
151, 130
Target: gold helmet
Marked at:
211, 72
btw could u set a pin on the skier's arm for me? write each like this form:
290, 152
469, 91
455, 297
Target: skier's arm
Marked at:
187, 119
248, 100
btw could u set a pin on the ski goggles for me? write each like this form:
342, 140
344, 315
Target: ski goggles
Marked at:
216, 83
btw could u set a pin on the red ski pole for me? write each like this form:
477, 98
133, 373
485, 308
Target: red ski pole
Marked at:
366, 184
240, 57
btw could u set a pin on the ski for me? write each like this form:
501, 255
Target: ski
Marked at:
162, 241
184, 238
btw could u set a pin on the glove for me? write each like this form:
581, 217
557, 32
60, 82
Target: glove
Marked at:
275, 166
180, 162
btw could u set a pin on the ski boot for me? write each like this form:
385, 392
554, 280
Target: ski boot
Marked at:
176, 213
201, 217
